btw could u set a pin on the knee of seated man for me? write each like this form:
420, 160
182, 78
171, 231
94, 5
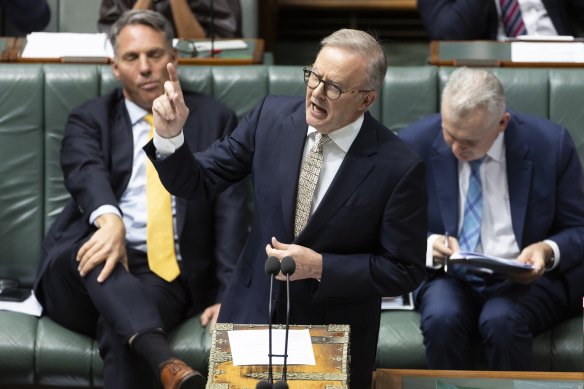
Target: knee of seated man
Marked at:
448, 318
502, 325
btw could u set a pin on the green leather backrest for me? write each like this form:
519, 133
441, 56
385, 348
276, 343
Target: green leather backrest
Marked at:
66, 86
408, 94
21, 170
36, 99
566, 90
78, 15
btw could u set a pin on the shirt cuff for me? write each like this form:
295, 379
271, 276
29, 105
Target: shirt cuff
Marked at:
556, 257
429, 257
167, 146
102, 211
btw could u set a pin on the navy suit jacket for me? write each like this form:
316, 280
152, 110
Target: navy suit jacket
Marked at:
370, 226
545, 180
96, 158
477, 19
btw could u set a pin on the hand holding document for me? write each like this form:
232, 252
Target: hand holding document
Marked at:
496, 264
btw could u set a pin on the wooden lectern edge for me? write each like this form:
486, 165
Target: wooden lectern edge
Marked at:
331, 353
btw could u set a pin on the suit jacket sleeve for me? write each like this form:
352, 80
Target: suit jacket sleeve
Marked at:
86, 175
232, 219
458, 19
568, 225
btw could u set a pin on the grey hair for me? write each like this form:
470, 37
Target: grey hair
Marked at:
366, 46
148, 18
470, 89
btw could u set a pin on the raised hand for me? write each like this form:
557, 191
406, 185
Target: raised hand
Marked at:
169, 109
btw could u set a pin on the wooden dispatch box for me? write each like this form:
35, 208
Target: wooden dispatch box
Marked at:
331, 351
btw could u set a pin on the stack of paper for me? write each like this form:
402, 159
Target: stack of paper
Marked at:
67, 45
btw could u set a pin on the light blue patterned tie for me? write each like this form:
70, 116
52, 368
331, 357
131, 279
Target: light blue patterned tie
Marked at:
470, 233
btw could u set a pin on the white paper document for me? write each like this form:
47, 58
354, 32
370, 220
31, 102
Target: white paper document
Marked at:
250, 347
404, 302
64, 44
572, 52
231, 44
496, 264
30, 306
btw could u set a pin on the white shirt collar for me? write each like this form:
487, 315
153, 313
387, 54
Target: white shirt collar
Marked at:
344, 136
497, 148
135, 112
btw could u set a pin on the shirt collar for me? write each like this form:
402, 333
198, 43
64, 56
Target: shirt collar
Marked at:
497, 148
344, 136
135, 112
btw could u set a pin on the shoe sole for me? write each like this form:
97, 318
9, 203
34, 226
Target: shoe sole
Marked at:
195, 381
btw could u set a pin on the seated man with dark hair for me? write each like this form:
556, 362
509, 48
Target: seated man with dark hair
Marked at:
126, 262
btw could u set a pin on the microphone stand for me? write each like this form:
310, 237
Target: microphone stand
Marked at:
271, 267
288, 267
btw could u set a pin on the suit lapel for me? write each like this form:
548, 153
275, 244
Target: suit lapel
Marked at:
292, 141
519, 171
121, 145
445, 175
193, 125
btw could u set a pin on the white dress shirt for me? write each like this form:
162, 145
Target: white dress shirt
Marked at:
535, 17
133, 201
334, 153
497, 237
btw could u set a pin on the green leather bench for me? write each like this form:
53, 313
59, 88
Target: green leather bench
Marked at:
34, 103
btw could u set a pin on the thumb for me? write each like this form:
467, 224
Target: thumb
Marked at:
278, 245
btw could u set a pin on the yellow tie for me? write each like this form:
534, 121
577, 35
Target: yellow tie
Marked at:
159, 230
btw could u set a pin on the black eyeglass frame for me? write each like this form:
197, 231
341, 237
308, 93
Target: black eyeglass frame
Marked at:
308, 72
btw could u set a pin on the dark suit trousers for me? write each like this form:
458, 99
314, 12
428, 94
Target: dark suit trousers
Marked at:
127, 303
504, 318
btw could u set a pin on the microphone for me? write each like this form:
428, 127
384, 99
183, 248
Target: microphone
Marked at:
264, 385
288, 267
272, 268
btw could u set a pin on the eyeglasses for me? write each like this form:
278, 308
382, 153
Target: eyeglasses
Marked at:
332, 90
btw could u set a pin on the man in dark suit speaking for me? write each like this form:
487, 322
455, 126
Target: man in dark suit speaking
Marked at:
334, 189
117, 265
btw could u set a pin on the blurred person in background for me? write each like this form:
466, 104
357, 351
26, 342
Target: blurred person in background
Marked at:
190, 19
501, 19
26, 15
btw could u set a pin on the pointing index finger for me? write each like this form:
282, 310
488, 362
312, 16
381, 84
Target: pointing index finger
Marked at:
172, 76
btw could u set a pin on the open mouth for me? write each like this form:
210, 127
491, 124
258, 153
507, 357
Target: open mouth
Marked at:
317, 110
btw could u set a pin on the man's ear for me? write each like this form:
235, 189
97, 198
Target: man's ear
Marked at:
368, 100
504, 121
115, 69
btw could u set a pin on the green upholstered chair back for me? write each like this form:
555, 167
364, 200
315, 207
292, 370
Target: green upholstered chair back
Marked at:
35, 101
